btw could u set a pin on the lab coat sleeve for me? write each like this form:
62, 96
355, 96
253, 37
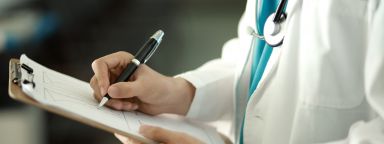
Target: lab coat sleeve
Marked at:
214, 83
364, 133
372, 131
374, 65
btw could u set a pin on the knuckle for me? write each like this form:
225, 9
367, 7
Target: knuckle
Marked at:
92, 81
124, 53
128, 107
121, 52
96, 62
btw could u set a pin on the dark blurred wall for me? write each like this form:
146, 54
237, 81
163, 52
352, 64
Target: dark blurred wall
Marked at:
195, 30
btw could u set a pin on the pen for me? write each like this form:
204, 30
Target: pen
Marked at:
141, 57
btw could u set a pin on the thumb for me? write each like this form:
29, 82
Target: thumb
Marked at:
125, 90
157, 133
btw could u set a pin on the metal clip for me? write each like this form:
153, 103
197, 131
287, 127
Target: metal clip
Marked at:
28, 79
16, 73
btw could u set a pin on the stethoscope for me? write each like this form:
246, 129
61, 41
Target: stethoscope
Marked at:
274, 30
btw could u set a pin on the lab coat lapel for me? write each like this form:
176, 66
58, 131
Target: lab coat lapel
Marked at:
241, 91
271, 89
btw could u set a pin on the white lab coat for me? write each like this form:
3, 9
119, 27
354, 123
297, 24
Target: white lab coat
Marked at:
325, 83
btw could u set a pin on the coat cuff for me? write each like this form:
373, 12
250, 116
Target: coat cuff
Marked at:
198, 99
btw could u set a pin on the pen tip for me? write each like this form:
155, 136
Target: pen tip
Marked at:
102, 102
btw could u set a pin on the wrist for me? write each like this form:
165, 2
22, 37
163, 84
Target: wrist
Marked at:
183, 92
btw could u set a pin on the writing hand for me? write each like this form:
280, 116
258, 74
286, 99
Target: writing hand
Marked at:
147, 90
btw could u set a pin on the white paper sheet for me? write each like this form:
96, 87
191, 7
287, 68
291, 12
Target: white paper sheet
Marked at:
75, 96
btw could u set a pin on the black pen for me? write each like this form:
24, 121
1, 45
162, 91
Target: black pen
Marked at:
141, 57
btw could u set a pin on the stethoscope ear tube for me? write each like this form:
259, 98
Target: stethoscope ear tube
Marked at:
279, 14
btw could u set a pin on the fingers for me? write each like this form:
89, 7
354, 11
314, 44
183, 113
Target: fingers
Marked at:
125, 90
114, 60
157, 133
129, 104
101, 75
167, 136
122, 104
120, 101
96, 90
126, 140
103, 65
123, 94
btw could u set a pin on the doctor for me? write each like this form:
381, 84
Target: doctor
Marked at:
324, 82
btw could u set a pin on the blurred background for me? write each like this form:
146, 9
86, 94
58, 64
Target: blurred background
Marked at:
67, 35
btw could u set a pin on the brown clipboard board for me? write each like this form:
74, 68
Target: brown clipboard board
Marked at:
16, 93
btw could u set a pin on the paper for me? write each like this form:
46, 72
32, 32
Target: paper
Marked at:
75, 96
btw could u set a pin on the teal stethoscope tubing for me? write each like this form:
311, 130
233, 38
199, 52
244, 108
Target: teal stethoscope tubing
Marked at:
261, 50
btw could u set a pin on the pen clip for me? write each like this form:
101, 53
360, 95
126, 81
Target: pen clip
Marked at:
158, 36
152, 51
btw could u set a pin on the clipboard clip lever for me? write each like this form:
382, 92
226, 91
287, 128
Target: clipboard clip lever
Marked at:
17, 75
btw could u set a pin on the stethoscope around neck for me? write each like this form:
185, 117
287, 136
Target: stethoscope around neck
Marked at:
274, 30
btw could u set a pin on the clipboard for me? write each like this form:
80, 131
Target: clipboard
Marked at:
16, 93
33, 84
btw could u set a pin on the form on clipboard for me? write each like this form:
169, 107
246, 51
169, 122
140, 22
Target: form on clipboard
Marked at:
61, 94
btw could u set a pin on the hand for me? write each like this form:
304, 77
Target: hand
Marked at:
147, 90
161, 135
